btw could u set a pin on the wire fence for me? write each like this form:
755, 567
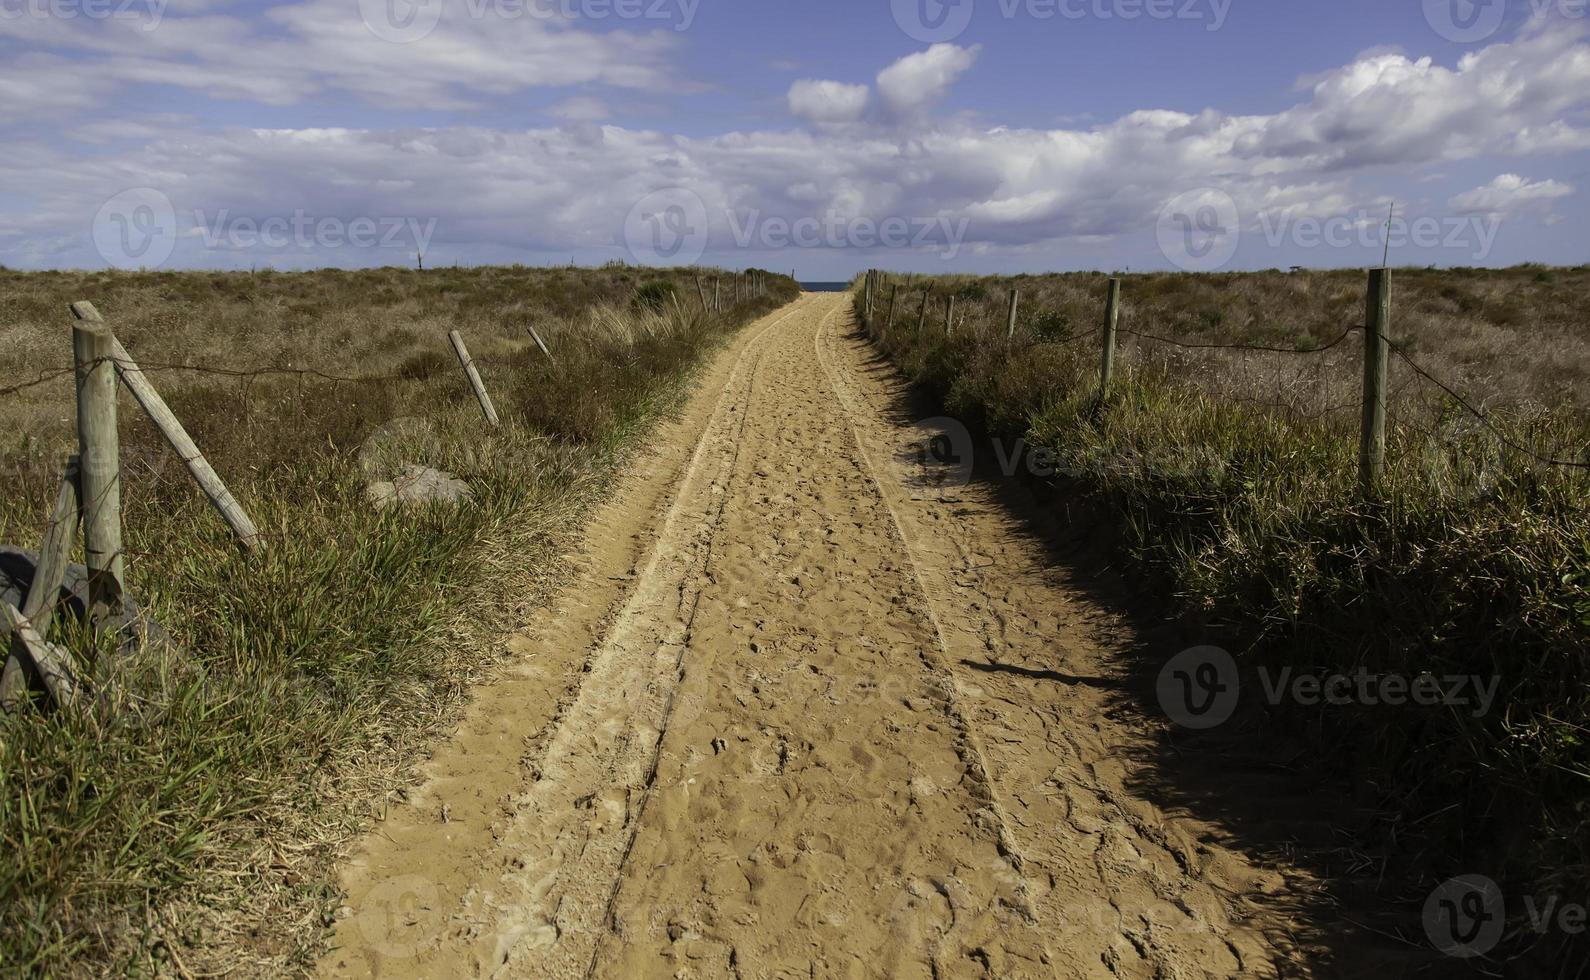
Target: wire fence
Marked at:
1371, 402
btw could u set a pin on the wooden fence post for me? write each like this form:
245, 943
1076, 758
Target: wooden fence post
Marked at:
1377, 357
55, 552
894, 297
1112, 317
949, 314
701, 294
99, 457
543, 344
176, 436
866, 302
1010, 321
921, 318
474, 376
717, 294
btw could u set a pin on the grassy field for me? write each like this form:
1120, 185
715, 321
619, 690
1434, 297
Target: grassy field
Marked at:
196, 831
1232, 475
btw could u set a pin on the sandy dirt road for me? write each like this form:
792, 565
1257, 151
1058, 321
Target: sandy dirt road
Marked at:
803, 714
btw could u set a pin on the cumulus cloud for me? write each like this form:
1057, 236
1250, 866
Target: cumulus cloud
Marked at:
828, 102
920, 79
1509, 193
570, 187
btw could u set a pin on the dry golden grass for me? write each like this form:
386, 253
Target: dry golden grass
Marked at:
1232, 479
200, 837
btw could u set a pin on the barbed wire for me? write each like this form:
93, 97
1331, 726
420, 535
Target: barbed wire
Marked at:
45, 377
1482, 417
1261, 348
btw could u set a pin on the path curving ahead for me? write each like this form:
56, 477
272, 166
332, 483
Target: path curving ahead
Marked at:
803, 714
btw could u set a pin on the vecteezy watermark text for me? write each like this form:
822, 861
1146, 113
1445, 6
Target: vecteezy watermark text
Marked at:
833, 230
148, 11
1466, 916
305, 231
1200, 688
673, 226
1200, 230
406, 21
1473, 235
140, 228
937, 21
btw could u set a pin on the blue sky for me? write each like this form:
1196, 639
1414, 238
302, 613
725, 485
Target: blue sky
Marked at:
820, 136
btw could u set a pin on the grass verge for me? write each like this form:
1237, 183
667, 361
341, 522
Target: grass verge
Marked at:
198, 830
1232, 478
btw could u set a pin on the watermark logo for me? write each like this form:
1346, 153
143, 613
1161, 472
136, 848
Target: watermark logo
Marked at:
136, 229
149, 12
933, 21
1199, 230
1199, 688
401, 21
667, 227
398, 916
1465, 916
935, 457
1465, 21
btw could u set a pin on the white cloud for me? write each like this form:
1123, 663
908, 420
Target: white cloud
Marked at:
292, 52
921, 79
1509, 193
580, 108
570, 187
828, 102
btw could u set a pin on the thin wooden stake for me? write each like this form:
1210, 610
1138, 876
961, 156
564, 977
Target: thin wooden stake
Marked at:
1377, 358
474, 376
53, 665
717, 295
921, 318
1112, 317
700, 294
177, 437
894, 297
543, 344
55, 553
1010, 321
99, 457
949, 315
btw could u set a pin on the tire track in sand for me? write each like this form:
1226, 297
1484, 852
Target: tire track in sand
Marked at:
779, 762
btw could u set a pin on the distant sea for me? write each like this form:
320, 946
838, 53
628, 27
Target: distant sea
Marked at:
825, 287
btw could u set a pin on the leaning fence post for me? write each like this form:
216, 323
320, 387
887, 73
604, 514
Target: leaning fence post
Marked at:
1112, 317
949, 314
99, 457
474, 376
176, 436
55, 552
1377, 356
921, 318
701, 293
894, 297
1010, 321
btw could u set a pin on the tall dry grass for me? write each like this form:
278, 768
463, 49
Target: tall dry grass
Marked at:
1232, 478
197, 832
